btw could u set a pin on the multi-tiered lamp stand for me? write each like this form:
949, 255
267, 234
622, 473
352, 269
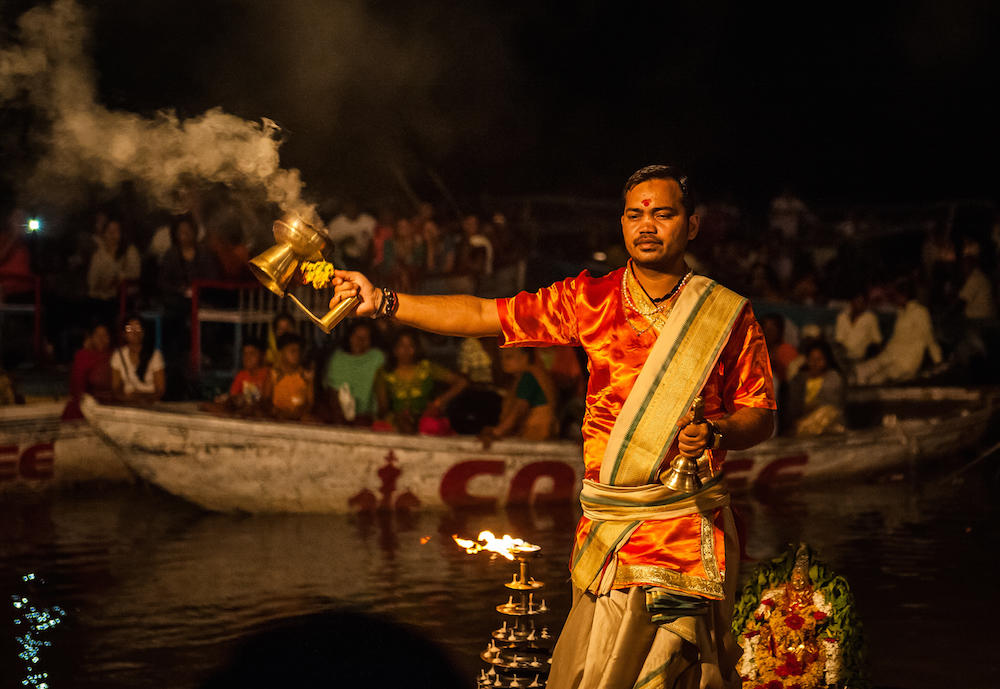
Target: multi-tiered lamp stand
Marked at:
519, 653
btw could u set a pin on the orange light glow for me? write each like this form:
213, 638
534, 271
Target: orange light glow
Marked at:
506, 545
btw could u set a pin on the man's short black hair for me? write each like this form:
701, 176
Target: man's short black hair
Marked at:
663, 172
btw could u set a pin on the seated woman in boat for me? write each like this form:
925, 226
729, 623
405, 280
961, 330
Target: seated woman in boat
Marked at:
816, 394
405, 389
137, 368
529, 407
291, 382
251, 387
349, 380
91, 371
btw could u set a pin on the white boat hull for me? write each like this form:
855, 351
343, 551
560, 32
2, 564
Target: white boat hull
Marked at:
228, 464
39, 451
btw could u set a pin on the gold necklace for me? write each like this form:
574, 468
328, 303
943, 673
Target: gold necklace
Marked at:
657, 315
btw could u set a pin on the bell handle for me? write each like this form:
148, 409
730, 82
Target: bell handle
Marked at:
333, 316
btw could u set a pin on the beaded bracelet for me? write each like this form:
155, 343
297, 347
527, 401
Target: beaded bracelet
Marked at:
389, 305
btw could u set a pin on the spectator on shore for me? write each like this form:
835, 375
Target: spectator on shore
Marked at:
788, 215
16, 276
251, 387
781, 353
410, 254
138, 371
291, 382
474, 256
405, 387
226, 242
382, 239
349, 378
529, 407
977, 291
8, 391
353, 230
281, 324
478, 406
912, 339
439, 249
187, 260
113, 262
764, 283
857, 331
816, 395
91, 371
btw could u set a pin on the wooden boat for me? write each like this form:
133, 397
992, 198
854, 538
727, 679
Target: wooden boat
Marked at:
233, 464
40, 451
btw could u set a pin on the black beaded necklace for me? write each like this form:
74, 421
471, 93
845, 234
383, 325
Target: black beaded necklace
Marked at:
666, 296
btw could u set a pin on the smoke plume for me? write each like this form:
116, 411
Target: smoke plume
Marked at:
49, 69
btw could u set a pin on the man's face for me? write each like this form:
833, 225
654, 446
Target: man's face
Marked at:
655, 226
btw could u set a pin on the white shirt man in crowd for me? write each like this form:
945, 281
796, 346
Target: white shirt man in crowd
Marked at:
353, 230
912, 337
857, 329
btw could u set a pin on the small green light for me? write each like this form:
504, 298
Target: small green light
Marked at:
34, 225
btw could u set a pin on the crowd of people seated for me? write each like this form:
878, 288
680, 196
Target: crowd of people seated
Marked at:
894, 317
489, 392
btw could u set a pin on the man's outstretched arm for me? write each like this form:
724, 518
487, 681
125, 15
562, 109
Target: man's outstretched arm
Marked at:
459, 314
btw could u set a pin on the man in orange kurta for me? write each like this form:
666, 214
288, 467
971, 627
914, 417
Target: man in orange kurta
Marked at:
590, 312
612, 640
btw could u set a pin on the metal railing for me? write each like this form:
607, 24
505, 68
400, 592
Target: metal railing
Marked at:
34, 284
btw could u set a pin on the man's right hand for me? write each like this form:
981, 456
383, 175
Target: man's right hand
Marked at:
350, 283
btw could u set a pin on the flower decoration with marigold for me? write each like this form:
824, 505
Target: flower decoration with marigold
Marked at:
317, 273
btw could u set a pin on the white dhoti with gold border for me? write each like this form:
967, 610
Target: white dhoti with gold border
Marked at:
610, 642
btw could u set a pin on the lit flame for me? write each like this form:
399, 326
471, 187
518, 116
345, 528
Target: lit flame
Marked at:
507, 545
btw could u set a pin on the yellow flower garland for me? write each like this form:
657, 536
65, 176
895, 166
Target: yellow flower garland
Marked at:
317, 273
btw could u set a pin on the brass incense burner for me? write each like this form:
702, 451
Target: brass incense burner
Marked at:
297, 241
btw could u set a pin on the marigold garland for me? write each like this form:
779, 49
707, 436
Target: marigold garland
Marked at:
317, 273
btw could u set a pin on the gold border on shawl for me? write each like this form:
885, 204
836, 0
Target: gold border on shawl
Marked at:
708, 560
654, 575
710, 586
683, 374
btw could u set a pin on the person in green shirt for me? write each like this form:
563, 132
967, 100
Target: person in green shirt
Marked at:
349, 379
406, 385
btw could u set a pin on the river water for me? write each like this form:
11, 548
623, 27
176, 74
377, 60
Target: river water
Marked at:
157, 593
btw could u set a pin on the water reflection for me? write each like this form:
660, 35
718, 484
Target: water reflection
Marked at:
157, 592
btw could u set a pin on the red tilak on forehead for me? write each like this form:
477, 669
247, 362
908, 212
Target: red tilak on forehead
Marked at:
645, 202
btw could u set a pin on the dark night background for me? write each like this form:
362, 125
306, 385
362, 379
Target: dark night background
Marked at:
882, 103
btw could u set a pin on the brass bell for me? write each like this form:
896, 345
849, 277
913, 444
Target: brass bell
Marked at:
683, 474
298, 241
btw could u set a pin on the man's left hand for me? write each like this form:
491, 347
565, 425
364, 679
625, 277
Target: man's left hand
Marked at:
693, 438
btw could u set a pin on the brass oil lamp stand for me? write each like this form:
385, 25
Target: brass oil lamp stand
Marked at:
519, 652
